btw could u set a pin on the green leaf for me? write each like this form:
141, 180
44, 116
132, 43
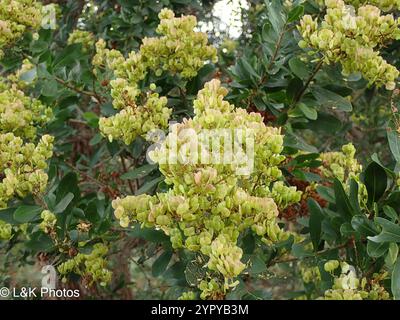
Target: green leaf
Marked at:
316, 217
295, 14
258, 265
26, 213
149, 185
249, 69
265, 33
364, 226
7, 215
346, 230
49, 88
390, 213
275, 15
194, 271
294, 88
293, 141
248, 243
161, 264
40, 242
299, 250
92, 119
395, 285
390, 231
376, 250
394, 143
68, 56
392, 254
326, 193
375, 181
69, 183
150, 235
63, 204
140, 172
325, 123
342, 201
309, 112
329, 98
354, 196
299, 68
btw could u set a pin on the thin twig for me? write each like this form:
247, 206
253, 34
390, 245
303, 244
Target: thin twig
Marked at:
131, 188
311, 78
273, 262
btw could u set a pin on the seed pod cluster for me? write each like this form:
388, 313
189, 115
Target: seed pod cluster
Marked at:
353, 38
179, 50
210, 204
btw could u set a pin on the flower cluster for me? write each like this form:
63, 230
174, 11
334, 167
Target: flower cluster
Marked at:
20, 114
283, 195
22, 166
211, 289
210, 204
190, 295
5, 230
384, 5
310, 274
86, 38
341, 165
179, 50
348, 287
137, 120
16, 17
331, 265
161, 54
49, 221
354, 39
91, 267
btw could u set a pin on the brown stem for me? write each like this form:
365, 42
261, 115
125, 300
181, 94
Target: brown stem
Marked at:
311, 78
273, 262
131, 188
73, 88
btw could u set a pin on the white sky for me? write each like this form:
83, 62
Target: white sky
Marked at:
228, 12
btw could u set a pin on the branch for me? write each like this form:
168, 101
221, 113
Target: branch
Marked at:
73, 88
311, 78
276, 261
131, 188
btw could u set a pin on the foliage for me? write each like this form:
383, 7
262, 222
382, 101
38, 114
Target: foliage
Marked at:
86, 182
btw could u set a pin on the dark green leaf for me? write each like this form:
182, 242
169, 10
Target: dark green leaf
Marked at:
342, 201
309, 112
395, 285
63, 204
299, 68
363, 225
375, 181
49, 88
316, 217
148, 186
390, 231
139, 172
25, 213
392, 254
376, 250
390, 213
394, 143
161, 264
329, 98
295, 13
354, 197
